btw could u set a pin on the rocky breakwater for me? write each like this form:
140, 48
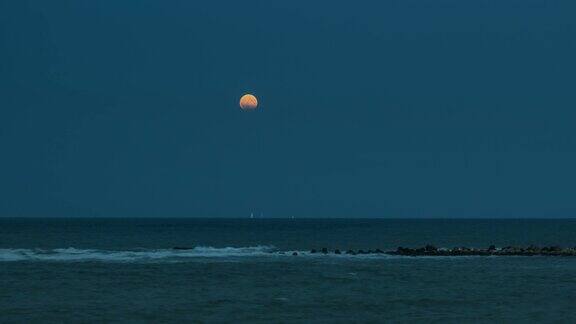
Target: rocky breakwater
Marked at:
430, 250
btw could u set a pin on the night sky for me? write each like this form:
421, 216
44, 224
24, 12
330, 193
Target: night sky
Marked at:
408, 108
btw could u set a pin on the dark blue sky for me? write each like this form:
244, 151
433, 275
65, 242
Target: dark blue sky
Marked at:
408, 108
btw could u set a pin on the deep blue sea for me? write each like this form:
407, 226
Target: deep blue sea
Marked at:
242, 270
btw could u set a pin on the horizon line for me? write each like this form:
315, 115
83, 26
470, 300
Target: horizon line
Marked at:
288, 218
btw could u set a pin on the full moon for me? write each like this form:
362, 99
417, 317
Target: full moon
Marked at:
248, 102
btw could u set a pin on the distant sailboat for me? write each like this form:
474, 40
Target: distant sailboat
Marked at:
251, 215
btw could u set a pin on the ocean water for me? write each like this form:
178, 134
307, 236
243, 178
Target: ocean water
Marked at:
242, 270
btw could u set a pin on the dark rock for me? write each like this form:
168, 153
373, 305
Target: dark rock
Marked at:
361, 252
405, 251
294, 253
351, 252
181, 248
325, 250
313, 251
337, 251
430, 248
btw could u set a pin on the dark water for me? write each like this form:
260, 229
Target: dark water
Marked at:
69, 270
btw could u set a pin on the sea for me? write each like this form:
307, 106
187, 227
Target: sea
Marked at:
106, 270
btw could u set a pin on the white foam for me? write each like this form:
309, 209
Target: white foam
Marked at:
165, 255
79, 255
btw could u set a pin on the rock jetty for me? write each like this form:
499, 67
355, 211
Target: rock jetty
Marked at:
431, 250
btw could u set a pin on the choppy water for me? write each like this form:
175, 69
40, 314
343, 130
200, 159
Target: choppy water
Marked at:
243, 271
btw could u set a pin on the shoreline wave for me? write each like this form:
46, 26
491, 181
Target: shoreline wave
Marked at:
155, 255
86, 255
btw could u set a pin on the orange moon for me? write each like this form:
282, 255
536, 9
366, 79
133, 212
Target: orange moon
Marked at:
248, 102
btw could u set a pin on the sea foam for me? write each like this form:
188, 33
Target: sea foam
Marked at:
161, 255
79, 255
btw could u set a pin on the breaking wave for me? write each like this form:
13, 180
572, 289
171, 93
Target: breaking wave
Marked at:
80, 255
162, 255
